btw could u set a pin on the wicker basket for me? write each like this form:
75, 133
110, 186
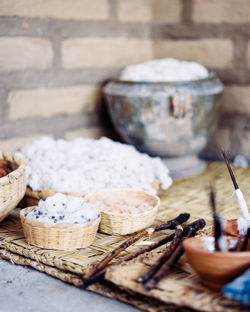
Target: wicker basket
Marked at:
12, 186
125, 223
58, 236
32, 197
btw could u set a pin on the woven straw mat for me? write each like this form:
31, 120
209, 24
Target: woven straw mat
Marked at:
185, 195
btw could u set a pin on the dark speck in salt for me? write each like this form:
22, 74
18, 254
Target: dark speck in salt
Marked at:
63, 204
61, 217
54, 205
75, 222
88, 219
37, 217
55, 220
52, 217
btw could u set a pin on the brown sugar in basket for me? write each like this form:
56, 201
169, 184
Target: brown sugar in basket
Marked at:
12, 186
58, 236
124, 223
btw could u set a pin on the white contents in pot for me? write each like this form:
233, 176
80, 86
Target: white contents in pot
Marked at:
163, 70
64, 209
86, 165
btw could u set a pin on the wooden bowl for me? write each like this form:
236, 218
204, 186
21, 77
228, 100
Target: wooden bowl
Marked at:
114, 222
215, 268
58, 236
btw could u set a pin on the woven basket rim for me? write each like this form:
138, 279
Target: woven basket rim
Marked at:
36, 223
15, 173
42, 191
155, 207
39, 193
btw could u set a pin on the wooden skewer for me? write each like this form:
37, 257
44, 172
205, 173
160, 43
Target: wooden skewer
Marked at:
169, 225
217, 224
230, 170
239, 194
166, 267
176, 240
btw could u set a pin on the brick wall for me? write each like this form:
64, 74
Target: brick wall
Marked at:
56, 54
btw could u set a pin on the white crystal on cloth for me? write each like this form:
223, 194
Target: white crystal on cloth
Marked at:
86, 165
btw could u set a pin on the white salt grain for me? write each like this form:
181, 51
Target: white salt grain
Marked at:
87, 165
163, 70
64, 209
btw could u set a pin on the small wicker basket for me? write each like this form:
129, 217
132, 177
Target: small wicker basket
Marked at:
32, 197
125, 223
12, 186
58, 236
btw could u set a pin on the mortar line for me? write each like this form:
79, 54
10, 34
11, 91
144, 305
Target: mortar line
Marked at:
187, 8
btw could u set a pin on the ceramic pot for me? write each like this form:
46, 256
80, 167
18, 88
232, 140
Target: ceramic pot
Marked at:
166, 119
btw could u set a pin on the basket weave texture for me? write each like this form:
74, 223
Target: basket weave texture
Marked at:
58, 236
32, 197
183, 287
12, 186
121, 223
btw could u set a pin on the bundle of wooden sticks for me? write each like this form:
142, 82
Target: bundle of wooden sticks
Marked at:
167, 260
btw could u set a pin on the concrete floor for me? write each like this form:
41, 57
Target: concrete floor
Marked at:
23, 289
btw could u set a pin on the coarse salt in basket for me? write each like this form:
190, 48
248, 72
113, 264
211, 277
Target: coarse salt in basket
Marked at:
58, 236
32, 197
12, 186
113, 222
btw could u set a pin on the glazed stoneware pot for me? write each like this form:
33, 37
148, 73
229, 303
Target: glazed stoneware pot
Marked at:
173, 120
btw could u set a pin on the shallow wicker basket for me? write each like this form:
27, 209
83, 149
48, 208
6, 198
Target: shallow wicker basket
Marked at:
12, 186
58, 236
32, 197
125, 223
